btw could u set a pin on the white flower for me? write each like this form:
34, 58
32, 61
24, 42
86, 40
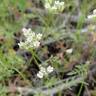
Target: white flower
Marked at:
69, 51
49, 69
94, 11
47, 5
40, 74
55, 7
62, 3
36, 44
57, 2
32, 40
24, 29
21, 44
28, 40
39, 36
43, 70
26, 32
92, 15
32, 35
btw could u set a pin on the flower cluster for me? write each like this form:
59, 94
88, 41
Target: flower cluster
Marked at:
44, 71
56, 7
93, 15
32, 40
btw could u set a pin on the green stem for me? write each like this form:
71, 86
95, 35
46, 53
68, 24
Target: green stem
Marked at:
21, 75
34, 56
80, 89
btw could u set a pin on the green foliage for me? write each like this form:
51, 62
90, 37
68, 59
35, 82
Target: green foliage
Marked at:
9, 12
54, 27
9, 62
3, 90
80, 70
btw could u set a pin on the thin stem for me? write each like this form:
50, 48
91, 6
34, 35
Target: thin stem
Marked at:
21, 75
80, 89
34, 57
